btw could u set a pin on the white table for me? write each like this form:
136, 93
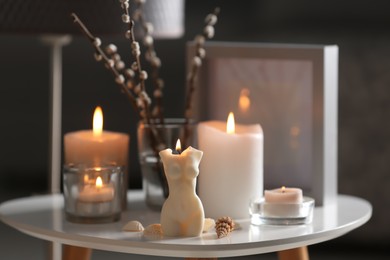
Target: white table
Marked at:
43, 217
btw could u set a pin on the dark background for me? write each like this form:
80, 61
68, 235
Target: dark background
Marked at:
361, 29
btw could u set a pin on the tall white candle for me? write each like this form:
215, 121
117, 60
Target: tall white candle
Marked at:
231, 169
96, 147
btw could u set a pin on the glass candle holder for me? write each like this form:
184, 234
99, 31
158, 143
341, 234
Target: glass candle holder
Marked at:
93, 194
262, 212
153, 138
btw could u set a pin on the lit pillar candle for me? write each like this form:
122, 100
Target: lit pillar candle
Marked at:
232, 167
96, 147
182, 214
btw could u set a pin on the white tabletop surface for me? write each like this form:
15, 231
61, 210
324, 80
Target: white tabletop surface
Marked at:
43, 217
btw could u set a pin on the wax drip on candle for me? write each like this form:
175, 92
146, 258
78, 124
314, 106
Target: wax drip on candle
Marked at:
177, 148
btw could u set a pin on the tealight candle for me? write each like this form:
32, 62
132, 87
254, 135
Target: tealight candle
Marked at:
182, 214
98, 192
232, 167
92, 195
283, 195
283, 202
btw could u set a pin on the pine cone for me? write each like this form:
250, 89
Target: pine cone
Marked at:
223, 226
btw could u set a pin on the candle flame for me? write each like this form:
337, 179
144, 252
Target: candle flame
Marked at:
99, 182
86, 178
98, 121
283, 189
230, 126
178, 145
244, 102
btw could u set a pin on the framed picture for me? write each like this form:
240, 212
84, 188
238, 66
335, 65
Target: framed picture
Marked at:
292, 92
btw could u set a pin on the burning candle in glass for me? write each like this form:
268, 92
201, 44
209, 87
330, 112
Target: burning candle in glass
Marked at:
97, 192
92, 195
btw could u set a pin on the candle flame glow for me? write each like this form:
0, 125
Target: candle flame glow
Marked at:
230, 126
99, 182
244, 101
283, 189
98, 121
178, 145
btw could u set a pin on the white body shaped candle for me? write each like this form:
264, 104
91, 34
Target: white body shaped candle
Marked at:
182, 214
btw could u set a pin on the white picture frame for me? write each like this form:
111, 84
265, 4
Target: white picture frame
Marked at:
293, 94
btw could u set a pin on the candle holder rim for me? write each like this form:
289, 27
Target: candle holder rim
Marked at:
75, 168
168, 122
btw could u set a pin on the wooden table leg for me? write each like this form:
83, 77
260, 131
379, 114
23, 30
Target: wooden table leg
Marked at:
75, 253
299, 253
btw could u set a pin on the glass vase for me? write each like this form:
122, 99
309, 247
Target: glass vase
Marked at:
152, 138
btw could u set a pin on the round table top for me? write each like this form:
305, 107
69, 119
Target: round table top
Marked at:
43, 217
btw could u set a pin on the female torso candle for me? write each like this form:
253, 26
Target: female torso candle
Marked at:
232, 168
182, 214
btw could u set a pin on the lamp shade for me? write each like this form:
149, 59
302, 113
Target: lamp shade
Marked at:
101, 16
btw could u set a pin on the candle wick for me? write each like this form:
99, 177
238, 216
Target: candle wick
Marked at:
176, 151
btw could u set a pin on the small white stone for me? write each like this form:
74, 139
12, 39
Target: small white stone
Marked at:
133, 226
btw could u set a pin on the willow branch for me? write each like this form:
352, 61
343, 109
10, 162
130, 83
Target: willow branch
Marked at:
96, 43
